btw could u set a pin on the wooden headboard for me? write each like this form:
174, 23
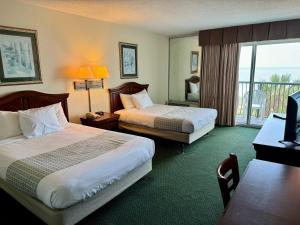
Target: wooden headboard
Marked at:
23, 100
192, 79
126, 88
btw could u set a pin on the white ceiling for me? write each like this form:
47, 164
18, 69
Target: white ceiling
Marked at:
176, 17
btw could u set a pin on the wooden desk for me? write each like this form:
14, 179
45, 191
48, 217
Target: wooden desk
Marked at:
268, 194
267, 146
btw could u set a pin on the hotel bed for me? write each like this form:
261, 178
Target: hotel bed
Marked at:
64, 176
182, 124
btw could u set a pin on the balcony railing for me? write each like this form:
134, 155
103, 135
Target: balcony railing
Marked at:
273, 98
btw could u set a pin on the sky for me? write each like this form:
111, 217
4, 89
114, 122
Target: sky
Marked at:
272, 55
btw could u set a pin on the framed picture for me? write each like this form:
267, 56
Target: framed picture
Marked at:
128, 60
19, 58
194, 61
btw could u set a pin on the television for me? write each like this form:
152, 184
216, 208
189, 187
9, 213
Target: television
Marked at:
292, 119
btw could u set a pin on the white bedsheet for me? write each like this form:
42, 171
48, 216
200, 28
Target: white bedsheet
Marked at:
71, 185
194, 118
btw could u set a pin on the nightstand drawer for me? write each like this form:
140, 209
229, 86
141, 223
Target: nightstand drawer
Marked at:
109, 126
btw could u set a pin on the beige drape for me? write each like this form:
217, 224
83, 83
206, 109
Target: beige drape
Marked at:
219, 81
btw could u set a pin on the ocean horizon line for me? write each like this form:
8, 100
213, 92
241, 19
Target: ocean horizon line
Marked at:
273, 67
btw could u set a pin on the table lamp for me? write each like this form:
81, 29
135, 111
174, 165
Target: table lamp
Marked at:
84, 73
100, 72
91, 76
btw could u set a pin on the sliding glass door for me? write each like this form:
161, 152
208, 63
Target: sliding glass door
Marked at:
244, 83
268, 73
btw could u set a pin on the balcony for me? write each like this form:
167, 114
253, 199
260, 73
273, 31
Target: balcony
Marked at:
267, 97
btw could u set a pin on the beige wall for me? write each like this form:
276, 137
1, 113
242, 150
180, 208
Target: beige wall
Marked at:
67, 41
180, 65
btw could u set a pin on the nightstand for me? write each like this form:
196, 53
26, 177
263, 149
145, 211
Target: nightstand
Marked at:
108, 121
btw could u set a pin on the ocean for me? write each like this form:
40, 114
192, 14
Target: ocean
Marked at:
265, 73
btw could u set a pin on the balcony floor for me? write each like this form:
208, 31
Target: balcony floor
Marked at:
241, 120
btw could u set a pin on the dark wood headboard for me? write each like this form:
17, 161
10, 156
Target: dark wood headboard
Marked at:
192, 79
126, 88
23, 100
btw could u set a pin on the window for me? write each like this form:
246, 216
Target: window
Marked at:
268, 73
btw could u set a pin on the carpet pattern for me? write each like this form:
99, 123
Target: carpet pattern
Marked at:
181, 189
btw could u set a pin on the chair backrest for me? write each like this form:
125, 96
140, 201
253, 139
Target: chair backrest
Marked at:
258, 97
228, 182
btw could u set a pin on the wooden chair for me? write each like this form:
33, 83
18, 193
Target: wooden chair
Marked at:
228, 182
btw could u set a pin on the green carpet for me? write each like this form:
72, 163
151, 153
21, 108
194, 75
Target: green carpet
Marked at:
181, 189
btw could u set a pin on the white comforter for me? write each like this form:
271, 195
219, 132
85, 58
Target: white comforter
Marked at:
194, 118
71, 185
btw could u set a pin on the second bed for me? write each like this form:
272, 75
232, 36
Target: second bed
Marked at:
182, 124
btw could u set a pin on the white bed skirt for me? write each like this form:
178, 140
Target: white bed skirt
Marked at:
75, 213
169, 135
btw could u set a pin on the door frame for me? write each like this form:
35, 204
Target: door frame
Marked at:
254, 46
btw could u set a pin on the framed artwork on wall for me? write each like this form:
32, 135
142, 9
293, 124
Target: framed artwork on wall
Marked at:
19, 58
128, 60
194, 61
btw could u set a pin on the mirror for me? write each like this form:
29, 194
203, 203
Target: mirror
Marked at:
184, 71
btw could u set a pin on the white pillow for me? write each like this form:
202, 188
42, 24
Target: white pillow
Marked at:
142, 99
9, 124
194, 87
127, 101
60, 115
39, 122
